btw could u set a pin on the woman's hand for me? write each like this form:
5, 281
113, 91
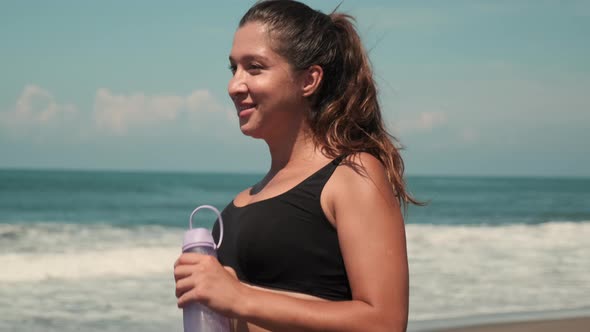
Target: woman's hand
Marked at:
201, 278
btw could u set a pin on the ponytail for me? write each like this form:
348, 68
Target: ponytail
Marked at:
351, 121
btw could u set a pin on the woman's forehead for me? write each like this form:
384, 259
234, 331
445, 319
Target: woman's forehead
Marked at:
251, 41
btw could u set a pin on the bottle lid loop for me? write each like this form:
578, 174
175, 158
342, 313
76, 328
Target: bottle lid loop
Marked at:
210, 207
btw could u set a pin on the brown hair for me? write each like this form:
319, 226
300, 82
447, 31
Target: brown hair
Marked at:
346, 116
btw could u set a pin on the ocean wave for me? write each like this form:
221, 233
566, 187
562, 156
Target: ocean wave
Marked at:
455, 271
70, 251
43, 251
43, 237
458, 270
123, 262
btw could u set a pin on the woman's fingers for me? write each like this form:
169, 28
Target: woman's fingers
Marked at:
192, 289
190, 268
189, 258
203, 279
186, 298
183, 271
184, 285
188, 263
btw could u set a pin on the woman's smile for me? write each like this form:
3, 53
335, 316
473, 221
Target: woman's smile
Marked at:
246, 110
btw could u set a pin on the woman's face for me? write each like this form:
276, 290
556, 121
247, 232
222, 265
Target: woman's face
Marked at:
264, 88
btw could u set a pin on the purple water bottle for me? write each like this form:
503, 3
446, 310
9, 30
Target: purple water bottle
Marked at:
198, 317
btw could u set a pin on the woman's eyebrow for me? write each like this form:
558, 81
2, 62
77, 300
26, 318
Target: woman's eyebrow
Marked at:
249, 57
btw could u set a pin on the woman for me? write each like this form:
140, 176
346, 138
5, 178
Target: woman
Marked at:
319, 242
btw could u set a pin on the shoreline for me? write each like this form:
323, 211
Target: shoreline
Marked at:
573, 320
579, 324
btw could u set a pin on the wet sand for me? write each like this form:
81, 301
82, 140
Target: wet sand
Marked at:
581, 324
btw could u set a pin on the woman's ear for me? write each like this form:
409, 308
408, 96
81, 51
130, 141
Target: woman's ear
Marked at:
312, 79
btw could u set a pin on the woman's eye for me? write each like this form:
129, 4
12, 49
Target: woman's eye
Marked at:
254, 68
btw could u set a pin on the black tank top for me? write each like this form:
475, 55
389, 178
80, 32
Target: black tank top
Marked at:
286, 242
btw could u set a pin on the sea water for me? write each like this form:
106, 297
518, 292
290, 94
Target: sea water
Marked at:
94, 251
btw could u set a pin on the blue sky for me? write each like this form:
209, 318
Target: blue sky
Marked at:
469, 87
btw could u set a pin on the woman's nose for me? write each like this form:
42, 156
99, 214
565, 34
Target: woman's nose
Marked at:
236, 86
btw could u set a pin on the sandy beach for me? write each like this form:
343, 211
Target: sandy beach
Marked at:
581, 324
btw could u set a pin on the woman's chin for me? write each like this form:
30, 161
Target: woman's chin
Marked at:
247, 131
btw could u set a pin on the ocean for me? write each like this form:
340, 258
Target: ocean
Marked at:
94, 250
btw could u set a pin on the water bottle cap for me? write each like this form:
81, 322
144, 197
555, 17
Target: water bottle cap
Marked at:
197, 237
202, 236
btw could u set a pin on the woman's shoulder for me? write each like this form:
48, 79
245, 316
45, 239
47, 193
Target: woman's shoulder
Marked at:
242, 198
363, 164
359, 176
359, 170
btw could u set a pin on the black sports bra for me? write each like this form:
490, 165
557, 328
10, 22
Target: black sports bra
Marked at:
286, 242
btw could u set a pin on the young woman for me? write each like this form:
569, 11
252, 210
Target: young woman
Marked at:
319, 243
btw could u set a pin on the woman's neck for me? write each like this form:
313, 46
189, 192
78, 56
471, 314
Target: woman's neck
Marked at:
291, 149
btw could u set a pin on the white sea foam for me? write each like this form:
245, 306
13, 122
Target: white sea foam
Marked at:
68, 251
66, 237
470, 270
123, 262
456, 271
91, 304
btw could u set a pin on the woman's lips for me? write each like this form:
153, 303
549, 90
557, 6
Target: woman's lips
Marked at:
246, 110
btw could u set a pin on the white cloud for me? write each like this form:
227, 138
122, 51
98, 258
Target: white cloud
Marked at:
201, 100
494, 104
429, 120
120, 114
38, 116
421, 121
38, 105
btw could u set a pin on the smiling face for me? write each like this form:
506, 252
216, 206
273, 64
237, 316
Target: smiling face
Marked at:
265, 89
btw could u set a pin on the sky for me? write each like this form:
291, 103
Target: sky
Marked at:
492, 88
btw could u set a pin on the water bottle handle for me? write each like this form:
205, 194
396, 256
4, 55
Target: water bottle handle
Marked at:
210, 207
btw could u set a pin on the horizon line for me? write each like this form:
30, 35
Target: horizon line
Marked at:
256, 173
